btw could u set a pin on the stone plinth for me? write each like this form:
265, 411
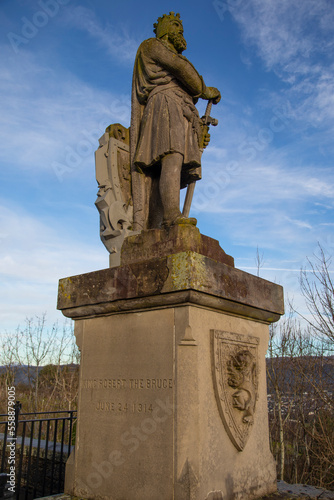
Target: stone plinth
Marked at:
156, 243
172, 400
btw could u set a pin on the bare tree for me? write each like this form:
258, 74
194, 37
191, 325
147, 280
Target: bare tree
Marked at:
35, 346
259, 261
281, 385
300, 380
317, 286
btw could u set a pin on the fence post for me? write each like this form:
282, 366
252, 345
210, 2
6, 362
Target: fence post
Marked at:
17, 408
70, 434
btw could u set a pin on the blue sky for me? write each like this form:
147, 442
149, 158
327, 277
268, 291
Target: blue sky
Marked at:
268, 176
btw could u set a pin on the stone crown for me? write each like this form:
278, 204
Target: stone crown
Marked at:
161, 26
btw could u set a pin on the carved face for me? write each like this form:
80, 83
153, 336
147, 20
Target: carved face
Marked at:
243, 360
175, 36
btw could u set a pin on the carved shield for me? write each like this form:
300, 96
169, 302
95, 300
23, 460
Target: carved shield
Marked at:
235, 380
114, 200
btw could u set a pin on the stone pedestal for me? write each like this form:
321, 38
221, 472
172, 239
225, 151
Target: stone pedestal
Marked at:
173, 401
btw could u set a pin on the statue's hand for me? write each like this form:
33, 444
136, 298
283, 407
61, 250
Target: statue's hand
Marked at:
212, 93
206, 140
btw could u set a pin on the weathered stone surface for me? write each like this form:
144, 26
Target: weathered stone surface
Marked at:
164, 281
167, 135
151, 381
156, 243
284, 491
287, 491
149, 425
124, 444
112, 163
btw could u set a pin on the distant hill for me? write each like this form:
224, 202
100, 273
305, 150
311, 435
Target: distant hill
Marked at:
24, 372
319, 369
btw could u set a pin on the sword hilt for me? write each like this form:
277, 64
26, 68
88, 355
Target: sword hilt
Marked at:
208, 108
207, 119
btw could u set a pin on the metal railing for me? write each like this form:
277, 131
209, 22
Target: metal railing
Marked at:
43, 442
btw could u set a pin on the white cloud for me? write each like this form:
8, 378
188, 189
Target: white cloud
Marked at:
285, 32
257, 184
298, 223
48, 250
48, 117
317, 187
34, 255
295, 40
117, 42
273, 205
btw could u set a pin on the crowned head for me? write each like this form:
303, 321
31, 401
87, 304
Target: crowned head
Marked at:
169, 28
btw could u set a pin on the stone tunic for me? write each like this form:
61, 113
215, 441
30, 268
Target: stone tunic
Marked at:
164, 118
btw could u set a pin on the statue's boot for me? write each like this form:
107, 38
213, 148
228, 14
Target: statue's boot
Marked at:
180, 219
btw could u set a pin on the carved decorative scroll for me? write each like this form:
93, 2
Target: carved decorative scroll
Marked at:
235, 380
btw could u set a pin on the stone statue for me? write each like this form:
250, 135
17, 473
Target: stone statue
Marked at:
140, 170
166, 133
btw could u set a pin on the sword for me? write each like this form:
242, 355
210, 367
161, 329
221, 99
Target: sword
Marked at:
207, 120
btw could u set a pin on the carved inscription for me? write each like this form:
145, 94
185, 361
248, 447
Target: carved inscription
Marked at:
128, 395
106, 383
131, 383
124, 407
235, 380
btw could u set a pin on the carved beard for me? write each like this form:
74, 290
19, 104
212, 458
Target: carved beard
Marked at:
178, 41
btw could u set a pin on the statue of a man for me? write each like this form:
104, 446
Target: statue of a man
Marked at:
166, 131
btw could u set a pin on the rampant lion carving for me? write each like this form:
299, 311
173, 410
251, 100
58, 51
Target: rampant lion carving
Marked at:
241, 369
235, 380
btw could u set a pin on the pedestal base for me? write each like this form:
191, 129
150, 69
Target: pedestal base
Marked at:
149, 421
173, 400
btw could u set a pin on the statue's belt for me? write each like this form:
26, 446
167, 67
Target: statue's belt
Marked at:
167, 86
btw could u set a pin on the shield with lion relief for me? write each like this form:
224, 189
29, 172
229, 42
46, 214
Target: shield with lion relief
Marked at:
235, 380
